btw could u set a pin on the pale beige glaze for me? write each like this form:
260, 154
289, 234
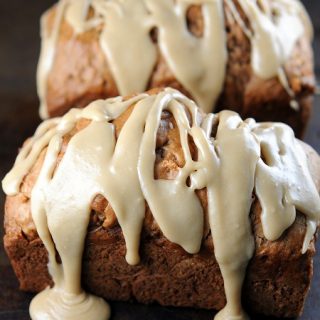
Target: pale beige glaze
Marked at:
47, 54
198, 63
243, 157
274, 34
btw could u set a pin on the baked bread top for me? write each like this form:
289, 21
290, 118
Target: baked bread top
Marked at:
195, 172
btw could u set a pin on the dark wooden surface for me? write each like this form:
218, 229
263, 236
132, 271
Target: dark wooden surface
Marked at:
19, 48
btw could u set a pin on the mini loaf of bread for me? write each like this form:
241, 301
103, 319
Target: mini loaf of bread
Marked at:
148, 199
253, 57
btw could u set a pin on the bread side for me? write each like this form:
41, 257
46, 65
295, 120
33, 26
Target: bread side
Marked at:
278, 276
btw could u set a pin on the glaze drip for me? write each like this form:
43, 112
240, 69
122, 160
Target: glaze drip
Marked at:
274, 34
243, 157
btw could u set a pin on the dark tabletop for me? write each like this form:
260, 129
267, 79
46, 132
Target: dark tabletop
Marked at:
19, 49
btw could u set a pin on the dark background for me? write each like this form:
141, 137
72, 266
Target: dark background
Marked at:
19, 50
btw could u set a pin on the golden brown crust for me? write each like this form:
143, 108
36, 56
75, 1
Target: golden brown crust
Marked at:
87, 76
278, 276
